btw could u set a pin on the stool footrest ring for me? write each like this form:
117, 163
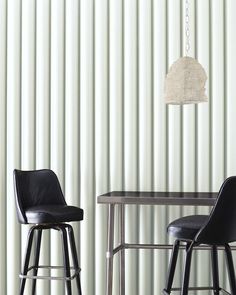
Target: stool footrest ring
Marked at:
63, 278
165, 292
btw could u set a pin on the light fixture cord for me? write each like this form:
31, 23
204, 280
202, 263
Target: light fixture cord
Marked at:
187, 28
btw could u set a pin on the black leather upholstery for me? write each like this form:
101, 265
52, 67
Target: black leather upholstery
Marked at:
53, 214
187, 227
216, 229
219, 227
40, 201
39, 198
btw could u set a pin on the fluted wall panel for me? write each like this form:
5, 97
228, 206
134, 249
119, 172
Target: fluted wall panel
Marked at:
160, 135
3, 149
131, 124
42, 110
87, 144
81, 92
13, 141
203, 125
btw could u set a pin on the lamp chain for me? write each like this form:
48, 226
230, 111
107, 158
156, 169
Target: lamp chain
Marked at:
187, 28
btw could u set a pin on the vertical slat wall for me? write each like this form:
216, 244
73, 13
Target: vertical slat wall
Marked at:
229, 48
42, 145
87, 144
3, 126
203, 125
72, 126
174, 114
27, 98
131, 126
81, 92
145, 101
115, 31
13, 141
218, 94
188, 121
160, 135
57, 120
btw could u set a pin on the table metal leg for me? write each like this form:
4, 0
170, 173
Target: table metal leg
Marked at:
110, 245
122, 252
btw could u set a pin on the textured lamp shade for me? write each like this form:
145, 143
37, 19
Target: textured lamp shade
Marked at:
185, 82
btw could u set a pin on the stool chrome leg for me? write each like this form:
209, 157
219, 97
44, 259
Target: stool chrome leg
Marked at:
36, 258
215, 270
27, 258
172, 266
66, 260
110, 245
74, 257
230, 266
122, 252
189, 249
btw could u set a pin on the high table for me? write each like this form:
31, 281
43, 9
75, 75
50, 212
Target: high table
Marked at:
122, 198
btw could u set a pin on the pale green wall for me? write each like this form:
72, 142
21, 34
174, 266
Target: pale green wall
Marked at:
81, 91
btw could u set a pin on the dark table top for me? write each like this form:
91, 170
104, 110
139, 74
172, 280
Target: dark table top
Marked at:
158, 198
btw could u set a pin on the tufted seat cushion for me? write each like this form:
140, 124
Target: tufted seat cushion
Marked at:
53, 214
187, 227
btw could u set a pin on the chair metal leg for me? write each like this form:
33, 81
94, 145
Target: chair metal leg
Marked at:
172, 266
36, 258
187, 267
27, 258
230, 266
66, 260
215, 270
74, 257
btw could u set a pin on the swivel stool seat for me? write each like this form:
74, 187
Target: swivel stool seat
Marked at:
215, 230
40, 202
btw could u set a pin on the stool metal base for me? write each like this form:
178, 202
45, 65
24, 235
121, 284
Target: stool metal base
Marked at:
66, 231
190, 245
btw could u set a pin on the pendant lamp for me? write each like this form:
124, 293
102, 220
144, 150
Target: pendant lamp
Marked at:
186, 79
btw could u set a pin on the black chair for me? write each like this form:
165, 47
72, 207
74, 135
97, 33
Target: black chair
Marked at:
40, 201
216, 229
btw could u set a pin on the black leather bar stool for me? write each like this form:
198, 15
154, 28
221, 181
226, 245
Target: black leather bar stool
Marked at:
40, 202
216, 229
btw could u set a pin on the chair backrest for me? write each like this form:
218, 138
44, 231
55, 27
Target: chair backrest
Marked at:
221, 225
34, 188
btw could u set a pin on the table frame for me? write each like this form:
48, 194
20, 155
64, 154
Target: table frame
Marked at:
122, 198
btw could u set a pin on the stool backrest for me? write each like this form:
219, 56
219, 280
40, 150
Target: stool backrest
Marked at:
221, 226
34, 188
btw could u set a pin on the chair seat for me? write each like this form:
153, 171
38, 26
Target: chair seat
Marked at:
187, 227
53, 214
